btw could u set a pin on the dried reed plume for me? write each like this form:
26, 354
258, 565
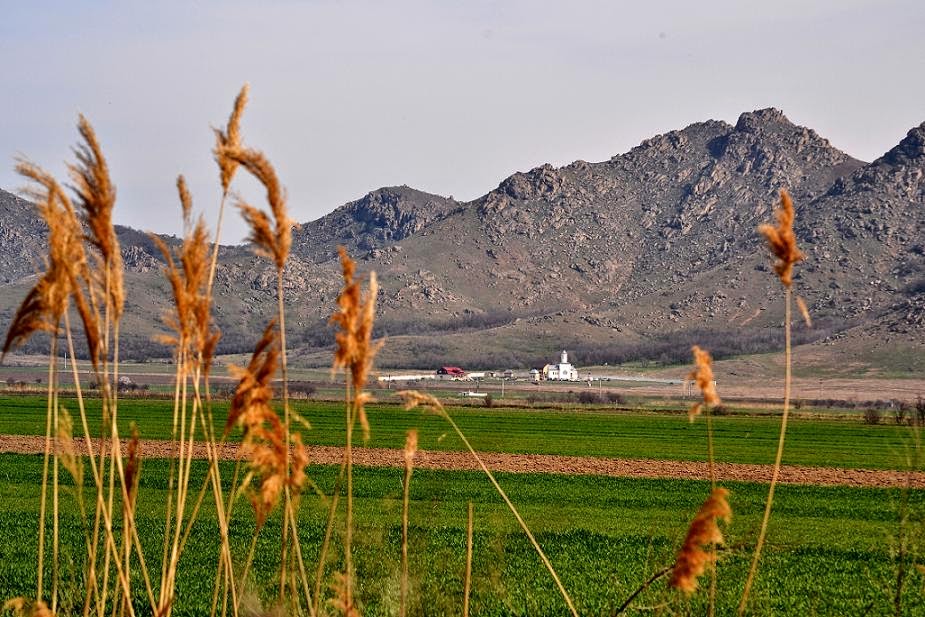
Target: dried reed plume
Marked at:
273, 240
354, 318
265, 440
133, 467
342, 602
96, 196
254, 390
692, 559
411, 447
186, 200
782, 241
192, 322
67, 452
230, 139
354, 351
265, 446
66, 267
804, 312
703, 375
24, 608
33, 314
413, 399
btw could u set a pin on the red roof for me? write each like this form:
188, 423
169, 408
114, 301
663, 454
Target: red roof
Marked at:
450, 370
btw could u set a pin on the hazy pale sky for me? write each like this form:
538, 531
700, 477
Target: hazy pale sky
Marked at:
447, 97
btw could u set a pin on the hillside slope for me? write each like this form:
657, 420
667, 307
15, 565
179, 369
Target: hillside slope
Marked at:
633, 257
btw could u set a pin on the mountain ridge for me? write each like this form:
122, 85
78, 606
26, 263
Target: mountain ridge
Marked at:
602, 255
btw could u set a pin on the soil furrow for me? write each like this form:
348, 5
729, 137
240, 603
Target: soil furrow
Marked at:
538, 463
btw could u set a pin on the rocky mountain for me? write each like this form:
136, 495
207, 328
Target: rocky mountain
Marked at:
383, 216
23, 233
20, 255
630, 258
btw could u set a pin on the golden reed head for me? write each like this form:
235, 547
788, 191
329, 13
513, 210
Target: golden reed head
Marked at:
703, 532
703, 376
230, 138
782, 241
354, 318
66, 274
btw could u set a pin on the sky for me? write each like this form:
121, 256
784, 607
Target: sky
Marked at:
447, 97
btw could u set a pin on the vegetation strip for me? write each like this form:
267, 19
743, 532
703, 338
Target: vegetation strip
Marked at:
543, 463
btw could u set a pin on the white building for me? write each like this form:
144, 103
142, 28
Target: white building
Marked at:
563, 371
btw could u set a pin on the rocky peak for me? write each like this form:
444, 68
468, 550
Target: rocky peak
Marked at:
900, 173
396, 212
910, 151
677, 143
537, 182
388, 214
766, 143
763, 119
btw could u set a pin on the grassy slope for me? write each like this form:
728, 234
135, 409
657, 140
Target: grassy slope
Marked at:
829, 552
609, 434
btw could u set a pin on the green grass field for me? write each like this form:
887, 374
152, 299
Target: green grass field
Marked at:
739, 439
831, 550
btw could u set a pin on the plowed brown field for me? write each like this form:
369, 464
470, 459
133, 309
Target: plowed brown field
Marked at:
541, 463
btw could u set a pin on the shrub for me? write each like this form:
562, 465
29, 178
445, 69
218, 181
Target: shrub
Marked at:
589, 398
871, 416
900, 412
301, 389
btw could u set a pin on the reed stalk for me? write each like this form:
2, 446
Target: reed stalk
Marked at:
782, 242
97, 479
467, 582
168, 509
411, 444
287, 495
348, 531
216, 482
328, 531
40, 572
413, 399
775, 473
54, 507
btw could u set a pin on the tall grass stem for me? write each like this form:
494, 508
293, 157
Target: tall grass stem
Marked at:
467, 583
762, 534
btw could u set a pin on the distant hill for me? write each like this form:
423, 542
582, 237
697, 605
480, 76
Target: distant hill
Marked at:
630, 258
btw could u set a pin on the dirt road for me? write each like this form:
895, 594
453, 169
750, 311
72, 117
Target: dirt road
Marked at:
544, 463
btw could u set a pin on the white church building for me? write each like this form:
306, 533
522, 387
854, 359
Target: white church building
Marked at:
563, 371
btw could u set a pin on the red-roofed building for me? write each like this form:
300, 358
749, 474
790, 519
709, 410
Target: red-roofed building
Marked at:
451, 371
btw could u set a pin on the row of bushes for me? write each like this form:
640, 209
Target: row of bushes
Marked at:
427, 352
901, 414
585, 397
